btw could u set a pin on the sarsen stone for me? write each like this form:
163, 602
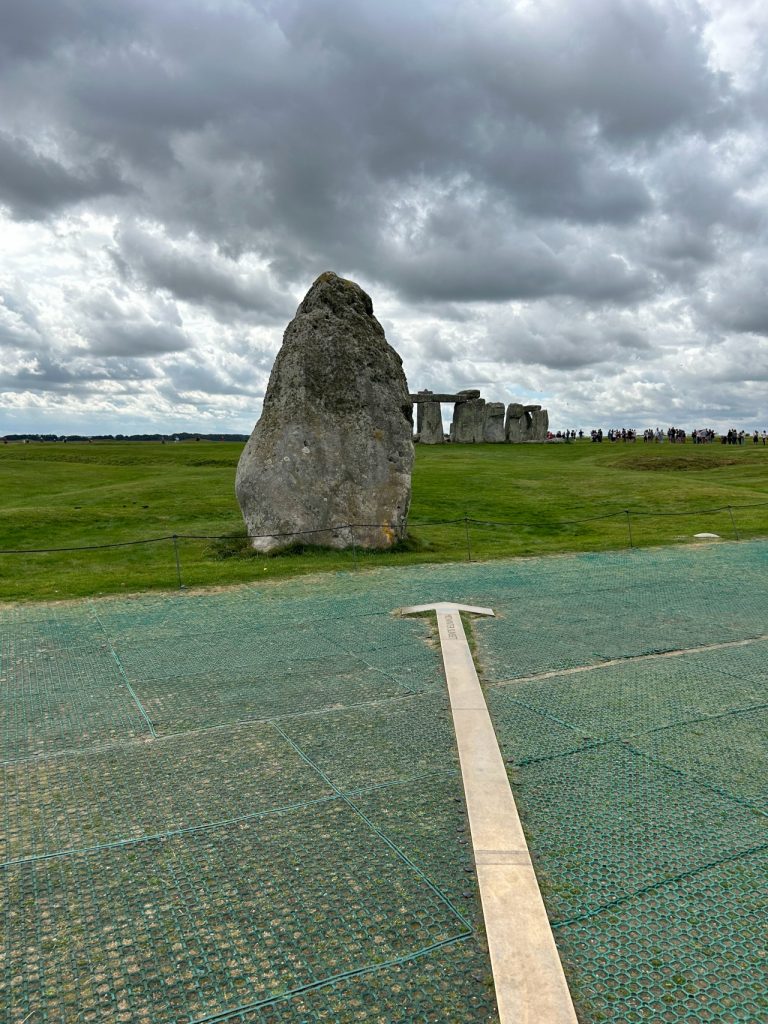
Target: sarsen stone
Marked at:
333, 445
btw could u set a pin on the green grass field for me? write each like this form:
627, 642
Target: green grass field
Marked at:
54, 495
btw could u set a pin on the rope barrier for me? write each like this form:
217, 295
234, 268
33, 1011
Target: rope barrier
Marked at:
86, 547
364, 526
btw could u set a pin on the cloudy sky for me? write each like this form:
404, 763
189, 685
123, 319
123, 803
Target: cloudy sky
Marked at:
556, 201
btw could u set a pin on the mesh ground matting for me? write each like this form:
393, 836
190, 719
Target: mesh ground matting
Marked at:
641, 783
246, 805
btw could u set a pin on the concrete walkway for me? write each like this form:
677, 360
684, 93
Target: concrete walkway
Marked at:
528, 976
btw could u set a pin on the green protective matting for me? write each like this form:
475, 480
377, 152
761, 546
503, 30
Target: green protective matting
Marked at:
624, 698
727, 753
127, 792
177, 929
451, 984
60, 689
607, 822
245, 805
692, 950
233, 695
362, 747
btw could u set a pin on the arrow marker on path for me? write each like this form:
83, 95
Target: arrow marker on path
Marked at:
527, 973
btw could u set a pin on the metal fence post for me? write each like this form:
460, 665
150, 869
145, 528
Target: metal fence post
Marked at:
629, 525
178, 561
354, 548
466, 531
733, 523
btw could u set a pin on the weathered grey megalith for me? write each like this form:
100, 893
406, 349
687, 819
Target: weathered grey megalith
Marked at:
493, 422
526, 423
515, 429
420, 411
468, 417
431, 430
334, 444
539, 424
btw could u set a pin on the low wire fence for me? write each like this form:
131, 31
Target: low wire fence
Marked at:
452, 539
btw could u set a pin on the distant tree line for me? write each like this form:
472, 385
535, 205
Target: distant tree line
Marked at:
182, 436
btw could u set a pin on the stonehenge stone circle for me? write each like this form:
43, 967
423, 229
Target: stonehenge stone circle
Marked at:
334, 444
476, 420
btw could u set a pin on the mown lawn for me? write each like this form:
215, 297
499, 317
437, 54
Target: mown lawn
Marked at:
55, 495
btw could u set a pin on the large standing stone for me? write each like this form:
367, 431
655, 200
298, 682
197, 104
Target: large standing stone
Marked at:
526, 423
493, 422
431, 431
516, 426
420, 411
468, 416
539, 424
334, 443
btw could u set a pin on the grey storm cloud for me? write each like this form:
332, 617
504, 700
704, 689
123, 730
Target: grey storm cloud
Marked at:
319, 130
480, 166
72, 374
36, 28
137, 339
112, 326
738, 299
487, 262
41, 373
33, 185
200, 279
19, 325
194, 376
563, 338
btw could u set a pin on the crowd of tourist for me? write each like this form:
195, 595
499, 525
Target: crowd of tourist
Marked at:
740, 437
706, 436
673, 435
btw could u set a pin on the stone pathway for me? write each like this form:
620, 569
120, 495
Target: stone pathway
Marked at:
528, 976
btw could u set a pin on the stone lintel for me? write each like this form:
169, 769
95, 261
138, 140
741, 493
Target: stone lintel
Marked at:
422, 397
